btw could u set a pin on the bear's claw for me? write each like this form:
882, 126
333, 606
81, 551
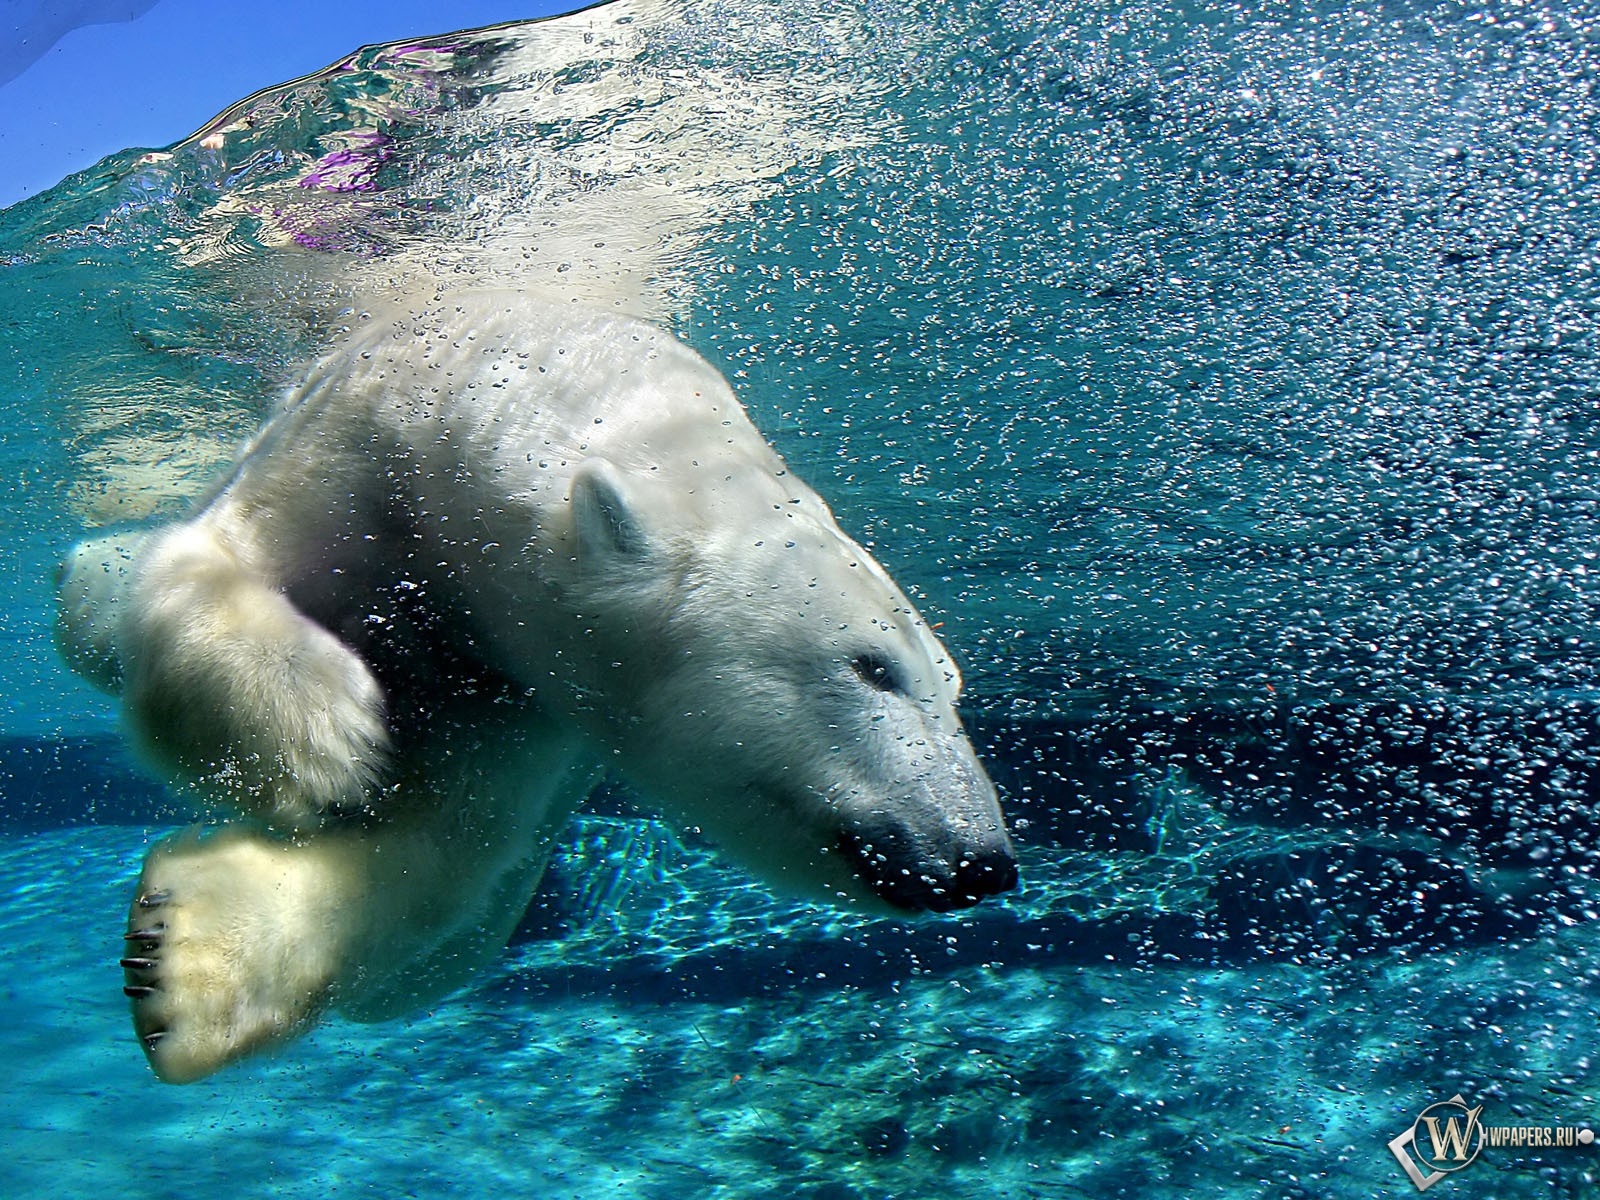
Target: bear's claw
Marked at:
141, 968
149, 939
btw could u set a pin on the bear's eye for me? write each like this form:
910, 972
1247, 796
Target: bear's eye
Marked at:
877, 672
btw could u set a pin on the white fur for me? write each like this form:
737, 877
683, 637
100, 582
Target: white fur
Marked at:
226, 685
487, 548
258, 935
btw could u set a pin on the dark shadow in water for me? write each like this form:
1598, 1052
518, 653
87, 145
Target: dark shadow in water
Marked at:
1386, 829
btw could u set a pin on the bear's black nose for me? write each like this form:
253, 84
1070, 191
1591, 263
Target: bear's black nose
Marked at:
888, 860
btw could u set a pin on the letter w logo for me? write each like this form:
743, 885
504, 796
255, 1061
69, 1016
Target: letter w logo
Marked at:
1454, 1139
1451, 1138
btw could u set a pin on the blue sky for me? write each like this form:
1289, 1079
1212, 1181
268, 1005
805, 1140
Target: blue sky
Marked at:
79, 80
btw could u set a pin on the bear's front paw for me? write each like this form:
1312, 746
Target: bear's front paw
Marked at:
220, 961
259, 707
323, 746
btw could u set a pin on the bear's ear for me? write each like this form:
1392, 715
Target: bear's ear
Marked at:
604, 519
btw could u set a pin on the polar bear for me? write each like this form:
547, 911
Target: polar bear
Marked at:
488, 550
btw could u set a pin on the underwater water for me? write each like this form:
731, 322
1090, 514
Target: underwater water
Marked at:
1223, 379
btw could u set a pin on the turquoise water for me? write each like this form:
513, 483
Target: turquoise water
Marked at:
1223, 379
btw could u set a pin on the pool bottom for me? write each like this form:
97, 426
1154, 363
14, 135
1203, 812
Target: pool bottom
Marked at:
1044, 1078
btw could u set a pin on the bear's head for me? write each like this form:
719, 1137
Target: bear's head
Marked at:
763, 679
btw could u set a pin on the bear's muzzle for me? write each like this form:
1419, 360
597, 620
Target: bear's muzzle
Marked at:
955, 871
